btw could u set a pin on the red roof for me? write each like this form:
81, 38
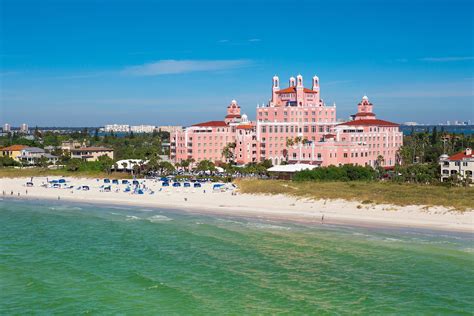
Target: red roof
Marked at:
329, 136
365, 114
232, 115
370, 122
460, 156
244, 127
293, 90
14, 148
212, 124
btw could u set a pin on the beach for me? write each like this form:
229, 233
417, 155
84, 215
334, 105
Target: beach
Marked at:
205, 200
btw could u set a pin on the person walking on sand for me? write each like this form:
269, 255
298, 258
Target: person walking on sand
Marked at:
322, 219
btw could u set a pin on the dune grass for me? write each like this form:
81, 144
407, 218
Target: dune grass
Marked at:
458, 198
44, 172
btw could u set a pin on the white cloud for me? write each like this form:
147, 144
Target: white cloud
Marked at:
446, 59
171, 66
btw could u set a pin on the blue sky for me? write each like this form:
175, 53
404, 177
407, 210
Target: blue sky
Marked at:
76, 63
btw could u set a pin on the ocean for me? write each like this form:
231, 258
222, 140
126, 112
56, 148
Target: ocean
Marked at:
58, 258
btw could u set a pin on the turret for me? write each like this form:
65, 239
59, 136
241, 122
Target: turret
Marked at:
315, 86
292, 82
299, 81
364, 109
233, 112
299, 90
275, 88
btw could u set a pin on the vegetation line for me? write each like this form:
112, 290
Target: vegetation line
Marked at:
371, 192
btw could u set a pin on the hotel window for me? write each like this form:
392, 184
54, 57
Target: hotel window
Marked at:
264, 129
313, 129
270, 129
306, 129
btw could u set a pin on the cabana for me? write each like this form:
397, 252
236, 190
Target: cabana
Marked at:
115, 181
106, 180
187, 185
197, 185
165, 184
176, 184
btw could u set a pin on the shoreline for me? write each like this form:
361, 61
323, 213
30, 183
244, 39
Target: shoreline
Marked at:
267, 207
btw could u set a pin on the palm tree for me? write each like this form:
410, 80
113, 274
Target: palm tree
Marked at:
290, 142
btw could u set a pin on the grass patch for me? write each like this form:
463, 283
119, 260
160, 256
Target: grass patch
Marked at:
459, 198
44, 172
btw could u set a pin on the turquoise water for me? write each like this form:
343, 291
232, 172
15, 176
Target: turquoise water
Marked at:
60, 258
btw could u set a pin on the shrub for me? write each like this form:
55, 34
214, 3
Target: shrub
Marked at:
333, 173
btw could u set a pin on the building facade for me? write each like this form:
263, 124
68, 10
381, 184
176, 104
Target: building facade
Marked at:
13, 151
33, 155
91, 153
460, 165
295, 126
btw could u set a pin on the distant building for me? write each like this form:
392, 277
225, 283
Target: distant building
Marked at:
24, 128
6, 128
170, 128
460, 165
71, 144
91, 153
117, 128
142, 128
13, 151
410, 124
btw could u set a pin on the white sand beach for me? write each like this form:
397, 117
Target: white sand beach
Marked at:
277, 207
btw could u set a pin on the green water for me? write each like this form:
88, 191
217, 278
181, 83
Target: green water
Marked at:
75, 259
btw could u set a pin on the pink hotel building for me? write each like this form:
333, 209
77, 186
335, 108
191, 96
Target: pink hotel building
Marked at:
296, 126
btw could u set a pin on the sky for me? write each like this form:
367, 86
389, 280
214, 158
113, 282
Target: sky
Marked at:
90, 63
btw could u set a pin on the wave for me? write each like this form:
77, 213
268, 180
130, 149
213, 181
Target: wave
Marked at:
132, 218
159, 218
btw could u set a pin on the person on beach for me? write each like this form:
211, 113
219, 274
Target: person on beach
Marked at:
322, 219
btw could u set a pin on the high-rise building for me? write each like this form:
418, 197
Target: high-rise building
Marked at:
6, 128
24, 128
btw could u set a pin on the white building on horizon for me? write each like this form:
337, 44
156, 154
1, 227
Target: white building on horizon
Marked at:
6, 128
117, 128
24, 128
142, 128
